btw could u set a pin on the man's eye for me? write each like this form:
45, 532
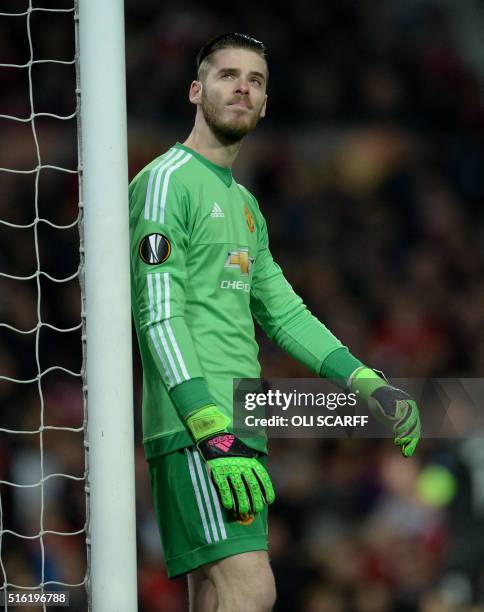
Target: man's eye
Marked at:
256, 81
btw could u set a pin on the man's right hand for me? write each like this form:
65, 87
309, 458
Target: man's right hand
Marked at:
242, 481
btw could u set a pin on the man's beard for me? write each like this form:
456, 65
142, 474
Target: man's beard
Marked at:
228, 132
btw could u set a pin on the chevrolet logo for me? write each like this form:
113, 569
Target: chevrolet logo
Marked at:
240, 259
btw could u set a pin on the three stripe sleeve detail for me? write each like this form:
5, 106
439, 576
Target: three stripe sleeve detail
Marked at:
161, 331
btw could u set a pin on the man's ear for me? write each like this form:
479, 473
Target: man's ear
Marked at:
264, 108
195, 93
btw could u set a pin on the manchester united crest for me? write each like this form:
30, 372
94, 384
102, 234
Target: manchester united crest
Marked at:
250, 219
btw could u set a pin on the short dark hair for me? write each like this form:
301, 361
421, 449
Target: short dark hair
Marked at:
232, 40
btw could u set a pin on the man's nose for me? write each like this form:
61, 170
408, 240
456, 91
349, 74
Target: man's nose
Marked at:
242, 86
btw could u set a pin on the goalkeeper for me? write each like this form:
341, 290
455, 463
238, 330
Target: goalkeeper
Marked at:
201, 270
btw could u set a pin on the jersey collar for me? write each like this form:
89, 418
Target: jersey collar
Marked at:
224, 174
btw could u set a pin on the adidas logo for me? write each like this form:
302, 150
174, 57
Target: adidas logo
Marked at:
223, 443
217, 212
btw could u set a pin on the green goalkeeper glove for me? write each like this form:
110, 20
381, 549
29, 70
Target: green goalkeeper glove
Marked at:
390, 406
242, 481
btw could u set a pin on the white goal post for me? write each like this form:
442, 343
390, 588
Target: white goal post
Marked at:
112, 529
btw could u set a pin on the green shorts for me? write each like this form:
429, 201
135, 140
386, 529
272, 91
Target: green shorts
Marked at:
195, 528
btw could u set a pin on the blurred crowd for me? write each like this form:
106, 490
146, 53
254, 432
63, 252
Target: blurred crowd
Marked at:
370, 171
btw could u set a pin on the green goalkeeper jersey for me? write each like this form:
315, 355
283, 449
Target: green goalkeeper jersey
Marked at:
200, 268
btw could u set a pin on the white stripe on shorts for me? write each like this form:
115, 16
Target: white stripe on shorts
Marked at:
197, 496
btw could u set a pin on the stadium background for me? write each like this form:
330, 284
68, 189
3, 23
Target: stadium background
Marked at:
369, 169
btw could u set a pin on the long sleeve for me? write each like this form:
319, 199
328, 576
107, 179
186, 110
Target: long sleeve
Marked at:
160, 239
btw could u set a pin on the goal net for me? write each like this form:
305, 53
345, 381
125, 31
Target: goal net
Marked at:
49, 538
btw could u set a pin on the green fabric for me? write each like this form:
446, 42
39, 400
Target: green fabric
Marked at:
193, 307
339, 366
224, 174
365, 382
206, 422
190, 396
161, 445
197, 531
